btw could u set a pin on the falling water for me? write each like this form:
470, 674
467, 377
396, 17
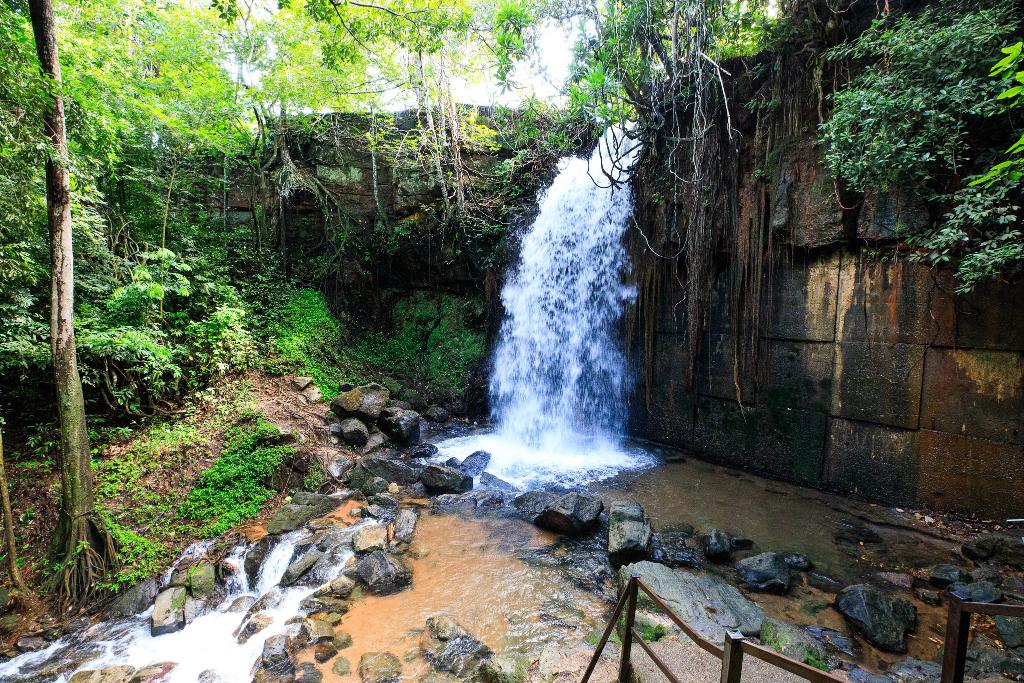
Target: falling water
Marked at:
559, 377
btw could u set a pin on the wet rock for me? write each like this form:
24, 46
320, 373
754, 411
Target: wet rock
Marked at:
711, 606
375, 486
209, 676
366, 401
449, 647
942, 575
339, 466
241, 604
324, 652
978, 591
401, 425
314, 632
855, 532
405, 526
380, 667
275, 661
767, 573
503, 669
834, 640
824, 583
202, 581
154, 673
929, 597
168, 611
383, 574
251, 626
308, 673
369, 538
354, 431
986, 660
30, 643
672, 549
324, 605
912, 670
270, 600
376, 442
110, 674
195, 609
629, 533
392, 470
793, 642
297, 569
573, 513
898, 579
437, 414
341, 667
340, 587
489, 481
1011, 630
532, 503
797, 562
475, 463
423, 450
256, 556
443, 479
718, 546
996, 547
880, 617
134, 600
342, 640
304, 507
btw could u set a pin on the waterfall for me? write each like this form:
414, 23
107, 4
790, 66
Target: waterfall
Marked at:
559, 373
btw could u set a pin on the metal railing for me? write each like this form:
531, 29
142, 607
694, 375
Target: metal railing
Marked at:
736, 645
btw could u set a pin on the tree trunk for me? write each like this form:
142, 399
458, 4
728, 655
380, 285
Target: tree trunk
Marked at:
12, 554
83, 545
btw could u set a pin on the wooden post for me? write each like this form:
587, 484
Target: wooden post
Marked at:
627, 635
958, 633
732, 657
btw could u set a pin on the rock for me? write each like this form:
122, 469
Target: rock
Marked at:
855, 532
629, 533
383, 574
30, 643
380, 667
354, 431
987, 660
392, 470
1006, 548
442, 479
168, 611
436, 414
881, 618
449, 647
405, 526
304, 507
912, 670
404, 405
110, 674
241, 604
256, 556
929, 597
834, 640
210, 676
369, 538
275, 659
423, 450
301, 383
797, 562
767, 573
252, 626
898, 579
154, 673
718, 546
413, 398
711, 606
793, 642
573, 513
1011, 630
824, 583
942, 575
475, 463
401, 425
298, 568
195, 609
324, 652
672, 550
134, 600
979, 591
532, 503
341, 667
503, 669
340, 587
375, 486
202, 580
314, 632
489, 481
308, 673
367, 401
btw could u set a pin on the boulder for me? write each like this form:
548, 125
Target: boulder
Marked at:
449, 647
442, 479
1011, 630
797, 562
314, 632
794, 642
1006, 548
423, 450
532, 503
629, 533
985, 659
401, 425
323, 652
298, 568
251, 626
405, 526
275, 660
353, 431
376, 442
718, 545
366, 401
241, 604
110, 674
912, 670
134, 600
573, 513
711, 606
340, 587
475, 463
878, 616
978, 591
168, 611
31, 643
202, 580
339, 466
154, 673
503, 669
383, 574
766, 573
436, 414
380, 667
341, 667
369, 538
942, 575
392, 470
672, 549
489, 481
307, 672
304, 507
256, 556
855, 532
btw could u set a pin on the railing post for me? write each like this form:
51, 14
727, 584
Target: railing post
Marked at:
732, 657
958, 633
627, 636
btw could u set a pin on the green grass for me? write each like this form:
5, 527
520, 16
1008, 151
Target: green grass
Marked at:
307, 335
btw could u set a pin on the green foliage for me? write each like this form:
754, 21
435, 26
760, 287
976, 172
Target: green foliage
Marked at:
307, 335
235, 488
1009, 71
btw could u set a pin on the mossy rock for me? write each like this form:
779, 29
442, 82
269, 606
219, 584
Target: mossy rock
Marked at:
794, 642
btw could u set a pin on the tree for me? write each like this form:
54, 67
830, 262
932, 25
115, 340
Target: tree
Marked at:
12, 555
82, 544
